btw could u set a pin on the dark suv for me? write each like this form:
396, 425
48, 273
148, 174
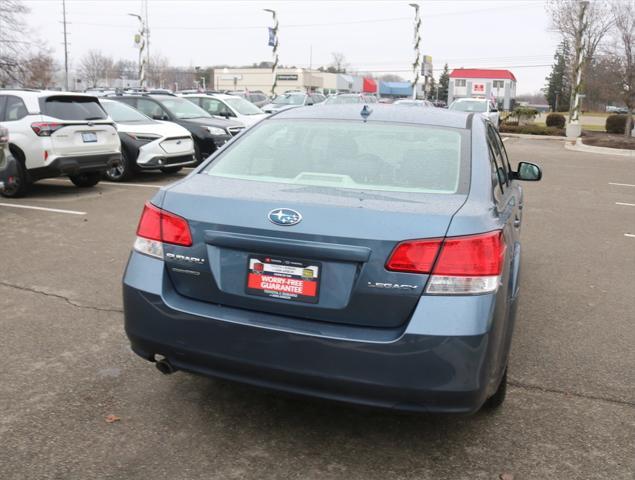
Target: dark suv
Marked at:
209, 133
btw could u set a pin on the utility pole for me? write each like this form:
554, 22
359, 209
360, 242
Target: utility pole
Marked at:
416, 66
65, 46
574, 128
273, 42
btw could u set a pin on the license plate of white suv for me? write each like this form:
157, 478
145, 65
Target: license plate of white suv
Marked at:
89, 137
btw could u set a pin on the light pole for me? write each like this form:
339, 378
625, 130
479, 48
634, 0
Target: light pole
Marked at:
416, 66
273, 42
140, 40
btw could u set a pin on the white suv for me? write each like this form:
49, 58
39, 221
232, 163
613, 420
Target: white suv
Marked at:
229, 107
57, 133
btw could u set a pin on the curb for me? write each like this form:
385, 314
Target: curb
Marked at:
578, 146
533, 137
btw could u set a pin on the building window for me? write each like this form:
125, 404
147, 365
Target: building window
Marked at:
499, 84
459, 82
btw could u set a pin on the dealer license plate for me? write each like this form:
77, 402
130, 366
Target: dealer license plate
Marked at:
283, 278
89, 137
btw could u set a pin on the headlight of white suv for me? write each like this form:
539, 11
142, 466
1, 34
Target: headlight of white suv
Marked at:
143, 137
215, 131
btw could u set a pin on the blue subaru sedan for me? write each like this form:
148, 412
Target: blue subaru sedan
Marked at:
362, 254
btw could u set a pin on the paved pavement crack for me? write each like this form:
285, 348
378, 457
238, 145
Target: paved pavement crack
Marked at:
586, 396
61, 297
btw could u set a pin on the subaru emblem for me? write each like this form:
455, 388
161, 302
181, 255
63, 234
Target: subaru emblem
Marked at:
284, 217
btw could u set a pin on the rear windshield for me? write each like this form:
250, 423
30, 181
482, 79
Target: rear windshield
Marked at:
346, 154
72, 108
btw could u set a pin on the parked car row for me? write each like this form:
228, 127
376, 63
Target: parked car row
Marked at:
116, 136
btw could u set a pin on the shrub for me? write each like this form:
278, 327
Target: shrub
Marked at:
532, 130
616, 123
524, 114
555, 120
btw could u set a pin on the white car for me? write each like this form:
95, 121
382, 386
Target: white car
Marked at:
479, 105
228, 106
147, 144
56, 133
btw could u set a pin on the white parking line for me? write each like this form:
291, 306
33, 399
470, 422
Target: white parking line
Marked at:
116, 184
625, 204
131, 184
622, 184
31, 207
629, 235
506, 138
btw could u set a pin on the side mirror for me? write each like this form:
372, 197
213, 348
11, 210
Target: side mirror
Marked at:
159, 116
529, 172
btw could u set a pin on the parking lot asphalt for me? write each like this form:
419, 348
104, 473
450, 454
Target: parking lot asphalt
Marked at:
569, 414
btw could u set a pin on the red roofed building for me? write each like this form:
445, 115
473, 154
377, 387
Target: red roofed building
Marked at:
482, 82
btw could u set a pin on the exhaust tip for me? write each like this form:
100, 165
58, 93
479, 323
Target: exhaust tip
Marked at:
164, 366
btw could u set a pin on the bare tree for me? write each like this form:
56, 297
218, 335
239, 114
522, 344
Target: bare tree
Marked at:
623, 48
13, 41
95, 67
338, 62
157, 70
40, 70
564, 20
583, 24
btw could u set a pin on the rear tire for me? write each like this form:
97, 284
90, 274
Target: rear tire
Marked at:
21, 184
171, 169
124, 171
496, 400
86, 180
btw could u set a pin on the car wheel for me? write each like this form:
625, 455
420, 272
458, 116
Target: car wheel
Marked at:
498, 398
122, 171
19, 185
171, 169
85, 180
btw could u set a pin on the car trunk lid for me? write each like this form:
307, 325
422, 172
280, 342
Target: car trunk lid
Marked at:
337, 253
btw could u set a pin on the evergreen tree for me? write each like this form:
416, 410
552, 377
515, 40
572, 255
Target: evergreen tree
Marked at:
558, 88
444, 82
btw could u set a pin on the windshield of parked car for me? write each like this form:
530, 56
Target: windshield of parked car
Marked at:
346, 154
340, 99
469, 106
120, 112
183, 109
289, 99
242, 106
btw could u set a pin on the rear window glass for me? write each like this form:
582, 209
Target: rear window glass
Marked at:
73, 108
346, 154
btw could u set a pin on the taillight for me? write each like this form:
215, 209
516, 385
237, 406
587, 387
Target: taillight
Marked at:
414, 256
464, 265
157, 227
45, 129
4, 135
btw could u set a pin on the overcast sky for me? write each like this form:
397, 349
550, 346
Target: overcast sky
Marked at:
373, 35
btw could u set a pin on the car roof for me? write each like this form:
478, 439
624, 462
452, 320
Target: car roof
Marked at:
381, 113
26, 92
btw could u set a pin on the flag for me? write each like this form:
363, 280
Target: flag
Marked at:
272, 37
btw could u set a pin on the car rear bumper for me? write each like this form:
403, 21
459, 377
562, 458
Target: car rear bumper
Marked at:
399, 369
76, 165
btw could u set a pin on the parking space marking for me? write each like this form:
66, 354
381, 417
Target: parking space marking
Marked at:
146, 185
622, 184
629, 235
625, 204
506, 138
32, 207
